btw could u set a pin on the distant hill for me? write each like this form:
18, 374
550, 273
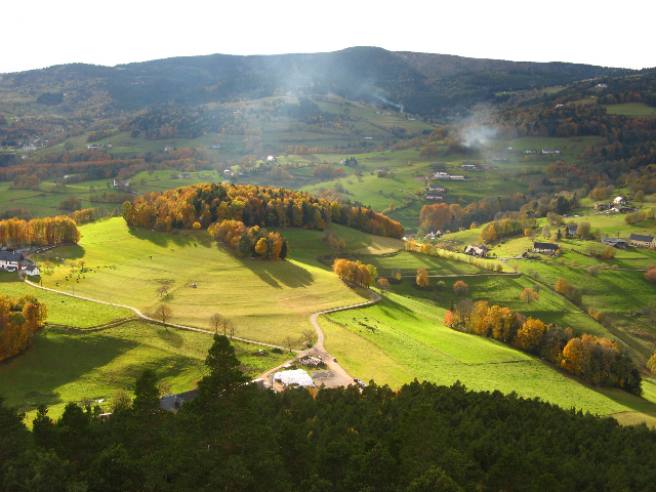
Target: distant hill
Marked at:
426, 84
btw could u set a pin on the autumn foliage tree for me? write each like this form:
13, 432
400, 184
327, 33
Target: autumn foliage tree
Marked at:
600, 361
354, 272
597, 360
650, 274
249, 241
261, 206
564, 288
460, 288
20, 319
38, 232
422, 280
529, 336
651, 363
528, 295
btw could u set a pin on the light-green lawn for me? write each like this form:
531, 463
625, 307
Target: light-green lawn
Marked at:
63, 310
266, 301
403, 338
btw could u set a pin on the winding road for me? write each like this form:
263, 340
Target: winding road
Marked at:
339, 375
338, 378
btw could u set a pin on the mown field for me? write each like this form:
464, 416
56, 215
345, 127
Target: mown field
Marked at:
403, 338
65, 366
64, 310
640, 110
266, 301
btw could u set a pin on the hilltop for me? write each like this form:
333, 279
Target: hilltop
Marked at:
423, 83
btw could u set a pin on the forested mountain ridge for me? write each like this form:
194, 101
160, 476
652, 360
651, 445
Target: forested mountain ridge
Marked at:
428, 84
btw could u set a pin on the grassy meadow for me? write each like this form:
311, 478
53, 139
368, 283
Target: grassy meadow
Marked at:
63, 366
266, 301
403, 338
64, 310
640, 110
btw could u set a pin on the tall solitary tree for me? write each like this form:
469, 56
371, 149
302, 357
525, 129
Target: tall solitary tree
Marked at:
225, 372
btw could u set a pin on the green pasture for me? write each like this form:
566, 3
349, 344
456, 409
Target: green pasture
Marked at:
267, 301
63, 310
403, 338
63, 366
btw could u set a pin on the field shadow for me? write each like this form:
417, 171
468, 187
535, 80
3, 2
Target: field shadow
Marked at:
176, 237
69, 252
392, 309
280, 273
170, 336
56, 359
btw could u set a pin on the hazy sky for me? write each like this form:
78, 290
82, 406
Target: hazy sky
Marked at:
38, 33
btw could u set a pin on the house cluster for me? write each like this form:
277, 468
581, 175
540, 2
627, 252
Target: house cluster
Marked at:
476, 250
98, 146
545, 248
615, 242
121, 184
619, 205
543, 151
432, 236
15, 261
444, 176
435, 193
642, 241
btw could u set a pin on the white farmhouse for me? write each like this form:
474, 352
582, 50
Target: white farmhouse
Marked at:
13, 261
10, 260
293, 378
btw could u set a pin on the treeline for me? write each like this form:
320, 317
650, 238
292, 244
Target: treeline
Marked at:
445, 216
91, 169
238, 437
20, 319
596, 360
441, 251
355, 272
253, 205
248, 241
99, 165
38, 232
87, 215
499, 229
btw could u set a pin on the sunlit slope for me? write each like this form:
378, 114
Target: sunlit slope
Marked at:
403, 338
267, 301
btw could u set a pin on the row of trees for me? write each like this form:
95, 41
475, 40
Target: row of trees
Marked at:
235, 436
452, 216
355, 272
597, 360
87, 215
38, 232
248, 241
20, 319
253, 205
503, 228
